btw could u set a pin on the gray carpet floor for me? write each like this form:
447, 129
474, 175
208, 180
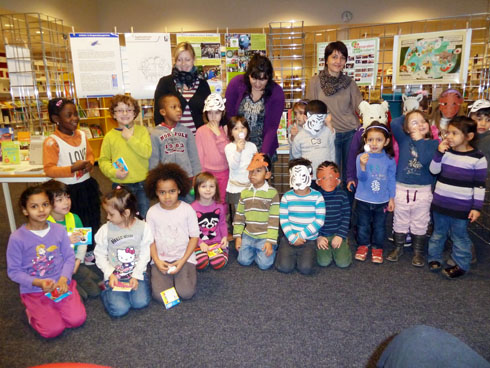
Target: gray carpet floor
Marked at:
245, 317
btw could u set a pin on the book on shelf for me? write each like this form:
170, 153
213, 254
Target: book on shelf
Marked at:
86, 129
11, 152
93, 109
96, 131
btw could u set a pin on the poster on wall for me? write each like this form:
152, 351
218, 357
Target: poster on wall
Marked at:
207, 47
435, 57
239, 50
362, 62
96, 64
148, 57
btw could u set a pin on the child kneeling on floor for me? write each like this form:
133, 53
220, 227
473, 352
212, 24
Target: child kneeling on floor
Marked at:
301, 214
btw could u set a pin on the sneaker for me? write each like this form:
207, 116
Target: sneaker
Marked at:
361, 253
89, 258
377, 255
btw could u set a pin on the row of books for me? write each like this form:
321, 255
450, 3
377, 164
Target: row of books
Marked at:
92, 130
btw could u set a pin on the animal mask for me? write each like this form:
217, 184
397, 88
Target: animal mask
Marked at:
373, 112
214, 102
300, 177
257, 162
411, 103
314, 123
449, 103
327, 178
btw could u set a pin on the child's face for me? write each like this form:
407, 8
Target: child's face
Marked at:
168, 194
417, 122
258, 176
207, 190
171, 110
124, 114
37, 208
456, 139
62, 204
376, 141
239, 132
482, 122
299, 115
68, 119
214, 116
114, 216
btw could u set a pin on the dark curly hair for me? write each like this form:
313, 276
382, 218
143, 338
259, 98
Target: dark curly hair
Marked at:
167, 172
30, 191
55, 106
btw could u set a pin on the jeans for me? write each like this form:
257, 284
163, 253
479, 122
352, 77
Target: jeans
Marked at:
457, 229
342, 146
290, 256
371, 223
251, 250
118, 303
425, 346
138, 189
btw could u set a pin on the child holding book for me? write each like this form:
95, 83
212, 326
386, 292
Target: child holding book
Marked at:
87, 280
175, 230
122, 254
68, 158
41, 261
212, 248
256, 222
332, 240
130, 144
316, 141
173, 142
301, 214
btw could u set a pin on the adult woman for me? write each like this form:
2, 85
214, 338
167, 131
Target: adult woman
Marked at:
187, 85
342, 96
260, 100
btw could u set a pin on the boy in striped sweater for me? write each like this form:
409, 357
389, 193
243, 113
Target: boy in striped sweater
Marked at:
256, 223
332, 241
301, 214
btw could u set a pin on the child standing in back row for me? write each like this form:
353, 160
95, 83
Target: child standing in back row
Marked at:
130, 142
67, 157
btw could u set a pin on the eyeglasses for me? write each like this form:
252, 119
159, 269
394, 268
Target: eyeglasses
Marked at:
128, 111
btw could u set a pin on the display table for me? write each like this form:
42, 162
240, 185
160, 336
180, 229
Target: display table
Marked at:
21, 173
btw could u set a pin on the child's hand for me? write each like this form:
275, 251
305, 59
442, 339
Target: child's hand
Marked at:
178, 266
162, 266
224, 243
473, 215
46, 284
391, 205
336, 242
75, 237
112, 281
127, 132
328, 123
214, 126
363, 161
322, 242
267, 248
443, 146
240, 145
79, 165
238, 243
133, 283
62, 285
204, 247
294, 131
351, 184
88, 167
299, 242
121, 173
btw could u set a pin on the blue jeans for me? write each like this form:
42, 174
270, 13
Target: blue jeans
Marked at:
425, 346
118, 303
342, 146
138, 189
251, 250
371, 223
457, 229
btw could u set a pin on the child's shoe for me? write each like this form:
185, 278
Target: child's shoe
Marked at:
361, 253
453, 272
377, 255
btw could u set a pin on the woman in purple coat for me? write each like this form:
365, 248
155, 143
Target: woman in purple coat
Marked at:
260, 100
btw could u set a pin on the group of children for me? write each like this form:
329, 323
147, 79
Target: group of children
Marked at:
185, 232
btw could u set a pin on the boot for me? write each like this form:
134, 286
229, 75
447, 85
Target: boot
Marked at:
399, 240
418, 243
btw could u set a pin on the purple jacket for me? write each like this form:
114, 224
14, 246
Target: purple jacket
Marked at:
355, 144
274, 106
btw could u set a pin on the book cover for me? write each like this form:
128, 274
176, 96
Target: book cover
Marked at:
120, 164
170, 297
86, 235
214, 252
85, 128
96, 131
93, 109
122, 286
56, 297
11, 152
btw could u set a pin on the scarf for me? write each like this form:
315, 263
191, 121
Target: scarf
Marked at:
187, 78
331, 85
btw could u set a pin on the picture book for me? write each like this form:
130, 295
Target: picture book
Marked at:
96, 131
214, 252
86, 129
11, 152
122, 286
86, 235
170, 297
56, 297
120, 164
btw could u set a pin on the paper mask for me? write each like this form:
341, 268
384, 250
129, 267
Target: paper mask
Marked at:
314, 123
257, 162
214, 102
299, 177
450, 103
327, 178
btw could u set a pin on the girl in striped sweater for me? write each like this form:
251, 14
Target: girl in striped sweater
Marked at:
458, 196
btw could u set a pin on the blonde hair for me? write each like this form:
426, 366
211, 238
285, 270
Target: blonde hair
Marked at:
181, 47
